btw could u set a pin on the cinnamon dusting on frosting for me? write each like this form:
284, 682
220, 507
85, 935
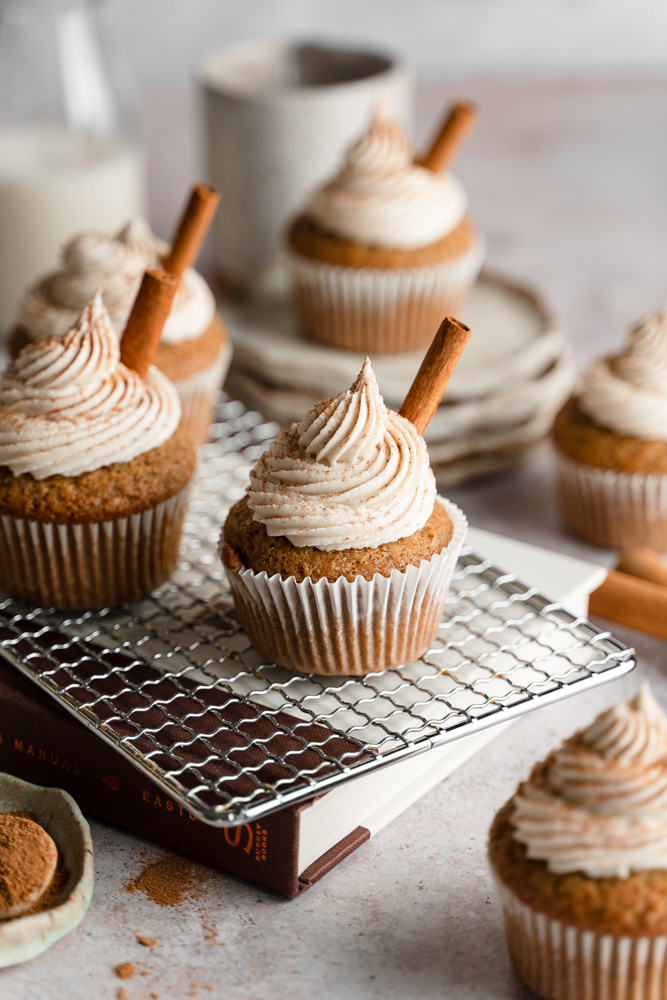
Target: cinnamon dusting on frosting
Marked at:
382, 198
599, 804
68, 406
351, 474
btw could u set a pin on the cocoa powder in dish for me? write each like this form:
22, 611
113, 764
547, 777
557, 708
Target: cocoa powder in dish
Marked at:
26, 851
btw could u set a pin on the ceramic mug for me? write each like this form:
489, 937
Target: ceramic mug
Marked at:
278, 119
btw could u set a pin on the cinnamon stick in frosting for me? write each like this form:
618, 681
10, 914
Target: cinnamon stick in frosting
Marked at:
192, 229
456, 126
144, 325
426, 391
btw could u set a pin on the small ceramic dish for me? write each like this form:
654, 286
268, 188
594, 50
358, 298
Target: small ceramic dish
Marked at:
55, 810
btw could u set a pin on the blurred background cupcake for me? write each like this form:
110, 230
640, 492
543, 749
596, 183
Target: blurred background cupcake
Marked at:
385, 250
194, 351
580, 860
611, 445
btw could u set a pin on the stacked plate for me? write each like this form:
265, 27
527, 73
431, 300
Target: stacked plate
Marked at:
515, 373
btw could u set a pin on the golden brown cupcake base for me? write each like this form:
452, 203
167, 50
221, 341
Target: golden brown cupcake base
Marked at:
114, 491
309, 240
612, 489
181, 361
578, 437
248, 544
631, 906
375, 299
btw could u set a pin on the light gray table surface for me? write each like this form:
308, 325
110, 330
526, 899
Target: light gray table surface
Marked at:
567, 179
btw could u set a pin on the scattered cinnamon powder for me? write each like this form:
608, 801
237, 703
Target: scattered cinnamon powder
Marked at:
169, 879
146, 941
125, 970
27, 857
122, 994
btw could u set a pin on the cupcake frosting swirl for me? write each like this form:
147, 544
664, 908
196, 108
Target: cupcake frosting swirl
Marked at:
599, 804
115, 264
382, 198
627, 393
68, 405
351, 475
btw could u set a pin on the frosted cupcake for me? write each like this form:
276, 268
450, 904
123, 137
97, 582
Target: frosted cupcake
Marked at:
384, 251
194, 350
340, 556
611, 445
94, 471
580, 857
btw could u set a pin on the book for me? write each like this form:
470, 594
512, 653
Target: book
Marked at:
289, 850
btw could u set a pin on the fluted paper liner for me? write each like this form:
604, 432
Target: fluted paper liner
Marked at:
89, 566
559, 961
345, 627
380, 310
197, 396
614, 509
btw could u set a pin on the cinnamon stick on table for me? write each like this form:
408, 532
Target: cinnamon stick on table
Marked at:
639, 560
426, 391
447, 142
192, 229
627, 600
144, 326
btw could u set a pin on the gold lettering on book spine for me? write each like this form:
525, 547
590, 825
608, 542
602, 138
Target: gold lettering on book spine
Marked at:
46, 756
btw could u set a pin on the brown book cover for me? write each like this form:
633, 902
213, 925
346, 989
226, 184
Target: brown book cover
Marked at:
42, 743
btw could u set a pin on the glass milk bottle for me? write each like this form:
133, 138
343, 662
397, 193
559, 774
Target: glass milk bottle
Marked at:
68, 160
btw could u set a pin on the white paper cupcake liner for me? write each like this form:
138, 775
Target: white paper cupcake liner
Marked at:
614, 509
89, 566
197, 396
345, 627
378, 310
561, 962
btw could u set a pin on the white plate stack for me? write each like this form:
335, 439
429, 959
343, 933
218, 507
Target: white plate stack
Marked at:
514, 375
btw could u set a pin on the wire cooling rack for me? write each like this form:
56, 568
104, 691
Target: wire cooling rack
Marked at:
172, 682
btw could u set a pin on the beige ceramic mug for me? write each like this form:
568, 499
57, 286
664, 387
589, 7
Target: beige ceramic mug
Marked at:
278, 119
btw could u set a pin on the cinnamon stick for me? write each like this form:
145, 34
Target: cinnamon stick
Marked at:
144, 326
192, 229
626, 600
426, 391
644, 563
460, 119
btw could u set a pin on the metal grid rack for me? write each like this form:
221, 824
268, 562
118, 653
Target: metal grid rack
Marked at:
172, 682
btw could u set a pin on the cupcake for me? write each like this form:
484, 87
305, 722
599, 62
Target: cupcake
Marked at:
611, 445
340, 555
580, 858
383, 251
194, 350
94, 471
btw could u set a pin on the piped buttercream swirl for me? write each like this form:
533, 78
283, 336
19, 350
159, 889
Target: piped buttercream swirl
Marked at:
114, 264
627, 393
351, 474
382, 198
68, 405
599, 804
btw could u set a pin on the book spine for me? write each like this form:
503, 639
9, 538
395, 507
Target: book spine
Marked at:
43, 744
